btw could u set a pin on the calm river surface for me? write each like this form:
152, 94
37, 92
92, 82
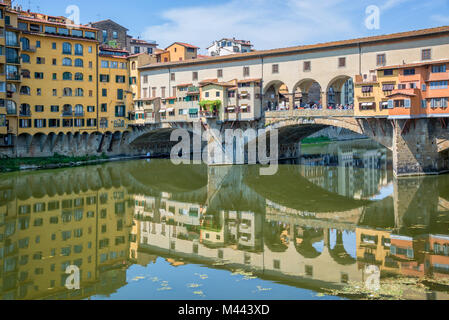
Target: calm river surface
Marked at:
332, 224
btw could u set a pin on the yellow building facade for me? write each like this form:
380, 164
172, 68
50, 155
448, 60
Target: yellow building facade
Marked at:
371, 93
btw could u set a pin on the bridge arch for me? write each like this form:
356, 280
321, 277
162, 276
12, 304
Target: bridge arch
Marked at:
276, 96
307, 91
337, 93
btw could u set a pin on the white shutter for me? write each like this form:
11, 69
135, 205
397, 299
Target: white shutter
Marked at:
407, 103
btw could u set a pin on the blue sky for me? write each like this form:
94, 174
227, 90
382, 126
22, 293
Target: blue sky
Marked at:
267, 23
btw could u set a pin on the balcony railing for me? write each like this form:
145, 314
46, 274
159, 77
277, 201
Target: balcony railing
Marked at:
209, 114
67, 114
29, 48
13, 76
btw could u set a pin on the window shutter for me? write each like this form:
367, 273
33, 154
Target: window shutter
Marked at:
390, 104
407, 103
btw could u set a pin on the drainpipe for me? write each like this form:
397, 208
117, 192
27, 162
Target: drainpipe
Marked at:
262, 95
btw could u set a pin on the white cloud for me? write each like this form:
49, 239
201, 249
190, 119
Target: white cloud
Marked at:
440, 19
389, 4
267, 23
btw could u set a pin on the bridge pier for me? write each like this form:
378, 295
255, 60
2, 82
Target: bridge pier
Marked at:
415, 149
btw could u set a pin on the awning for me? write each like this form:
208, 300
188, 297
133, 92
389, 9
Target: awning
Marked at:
193, 111
244, 107
385, 103
162, 111
231, 109
170, 109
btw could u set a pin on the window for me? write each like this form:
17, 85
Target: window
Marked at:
66, 48
435, 69
63, 31
39, 75
115, 35
104, 92
54, 62
119, 111
67, 92
66, 76
439, 103
120, 94
104, 78
79, 92
275, 68
246, 71
55, 76
90, 108
104, 64
120, 79
38, 44
40, 60
104, 107
341, 62
409, 72
39, 108
53, 45
307, 66
25, 90
54, 108
435, 85
79, 76
426, 54
67, 62
79, 63
381, 60
388, 72
195, 76
172, 77
220, 73
26, 58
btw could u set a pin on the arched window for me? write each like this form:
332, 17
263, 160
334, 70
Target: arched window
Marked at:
134, 65
26, 74
67, 109
79, 92
79, 63
25, 90
26, 58
25, 43
25, 110
67, 92
79, 109
79, 76
66, 76
78, 49
67, 62
66, 48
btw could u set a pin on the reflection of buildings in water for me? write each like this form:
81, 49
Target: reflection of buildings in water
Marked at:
337, 171
243, 240
41, 237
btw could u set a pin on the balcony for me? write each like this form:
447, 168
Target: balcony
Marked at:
209, 114
67, 114
13, 76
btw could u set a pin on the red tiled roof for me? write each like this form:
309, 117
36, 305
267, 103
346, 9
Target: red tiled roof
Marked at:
305, 48
183, 44
184, 85
250, 80
209, 80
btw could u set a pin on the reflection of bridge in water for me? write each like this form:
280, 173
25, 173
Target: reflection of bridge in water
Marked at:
304, 227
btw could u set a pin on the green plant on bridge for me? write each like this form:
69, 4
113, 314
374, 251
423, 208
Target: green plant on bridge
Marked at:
211, 105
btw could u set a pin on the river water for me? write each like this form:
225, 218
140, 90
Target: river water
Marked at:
333, 224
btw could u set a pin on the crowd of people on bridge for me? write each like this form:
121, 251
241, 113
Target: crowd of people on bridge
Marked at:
283, 106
